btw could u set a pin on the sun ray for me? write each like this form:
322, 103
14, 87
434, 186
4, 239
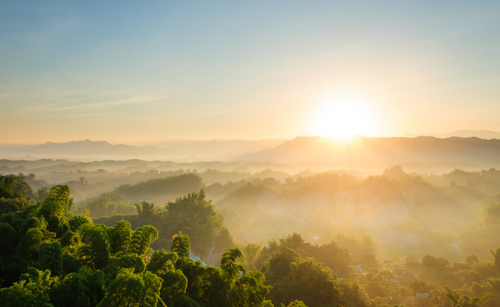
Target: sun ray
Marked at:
342, 117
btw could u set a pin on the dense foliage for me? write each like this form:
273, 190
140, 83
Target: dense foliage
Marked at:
51, 258
15, 193
176, 185
193, 215
331, 255
105, 204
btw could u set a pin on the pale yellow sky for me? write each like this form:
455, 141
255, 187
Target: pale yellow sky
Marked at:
246, 70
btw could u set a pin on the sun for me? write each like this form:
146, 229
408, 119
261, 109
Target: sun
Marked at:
342, 118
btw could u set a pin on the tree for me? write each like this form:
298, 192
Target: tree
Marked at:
24, 294
8, 239
38, 277
30, 243
313, 284
78, 220
15, 193
84, 288
368, 261
42, 193
231, 285
129, 289
106, 204
50, 257
251, 289
82, 180
96, 252
15, 186
338, 259
54, 207
279, 263
375, 289
181, 244
186, 301
477, 237
496, 257
142, 238
418, 286
395, 173
353, 295
93, 265
296, 304
174, 185
120, 236
174, 282
430, 262
13, 204
292, 277
441, 262
250, 251
145, 210
161, 261
196, 217
465, 300
127, 261
30, 290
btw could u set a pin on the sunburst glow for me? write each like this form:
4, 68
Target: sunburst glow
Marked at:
342, 117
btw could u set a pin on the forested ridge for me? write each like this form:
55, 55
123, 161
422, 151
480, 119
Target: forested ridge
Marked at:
52, 258
57, 254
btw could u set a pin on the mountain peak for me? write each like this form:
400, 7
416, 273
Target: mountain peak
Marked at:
93, 148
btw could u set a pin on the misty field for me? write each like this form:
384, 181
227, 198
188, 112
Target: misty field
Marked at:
247, 234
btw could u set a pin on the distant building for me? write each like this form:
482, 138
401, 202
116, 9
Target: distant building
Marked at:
423, 295
357, 269
403, 274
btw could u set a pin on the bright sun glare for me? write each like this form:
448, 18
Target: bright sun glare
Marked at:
342, 117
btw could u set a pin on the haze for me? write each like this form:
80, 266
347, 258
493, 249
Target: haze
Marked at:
127, 72
250, 153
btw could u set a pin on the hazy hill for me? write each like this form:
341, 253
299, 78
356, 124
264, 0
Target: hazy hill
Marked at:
95, 148
483, 134
396, 150
161, 189
407, 212
217, 147
187, 149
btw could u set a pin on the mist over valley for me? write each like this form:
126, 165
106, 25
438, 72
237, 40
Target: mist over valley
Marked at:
250, 153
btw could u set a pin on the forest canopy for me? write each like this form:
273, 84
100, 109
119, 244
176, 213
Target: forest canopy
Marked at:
191, 251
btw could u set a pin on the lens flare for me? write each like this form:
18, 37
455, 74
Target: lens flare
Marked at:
342, 117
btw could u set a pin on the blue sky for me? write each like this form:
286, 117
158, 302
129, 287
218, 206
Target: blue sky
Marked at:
130, 70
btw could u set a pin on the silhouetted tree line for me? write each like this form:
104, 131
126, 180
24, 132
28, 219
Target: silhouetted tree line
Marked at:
177, 185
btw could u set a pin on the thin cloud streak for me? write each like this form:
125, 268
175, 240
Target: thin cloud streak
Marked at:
93, 105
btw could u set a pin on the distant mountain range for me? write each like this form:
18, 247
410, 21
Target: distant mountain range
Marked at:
95, 149
397, 149
482, 134
350, 153
217, 148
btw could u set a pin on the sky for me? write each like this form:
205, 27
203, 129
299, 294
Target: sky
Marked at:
132, 71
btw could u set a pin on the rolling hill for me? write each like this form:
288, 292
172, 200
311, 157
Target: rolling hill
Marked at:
95, 149
395, 150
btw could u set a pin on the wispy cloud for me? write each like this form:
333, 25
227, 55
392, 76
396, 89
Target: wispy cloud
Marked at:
111, 103
90, 106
